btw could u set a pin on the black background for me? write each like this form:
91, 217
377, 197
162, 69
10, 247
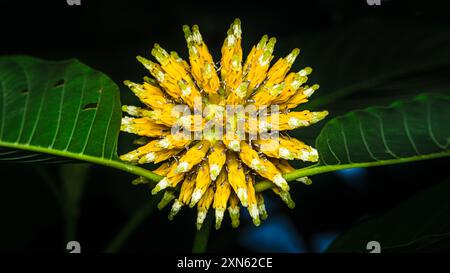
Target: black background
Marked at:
107, 35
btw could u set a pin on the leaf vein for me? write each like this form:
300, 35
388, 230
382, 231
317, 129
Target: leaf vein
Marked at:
430, 130
364, 139
75, 123
58, 123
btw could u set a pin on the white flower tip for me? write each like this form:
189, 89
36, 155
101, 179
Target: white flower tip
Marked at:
254, 213
214, 171
318, 116
305, 180
126, 120
281, 182
168, 196
150, 157
241, 91
310, 154
308, 92
234, 145
264, 126
294, 122
234, 215
262, 211
140, 180
292, 56
256, 164
186, 91
184, 121
219, 217
164, 143
182, 167
130, 157
242, 195
237, 28
130, 109
305, 71
196, 196
285, 153
201, 215
162, 184
176, 207
286, 197
263, 60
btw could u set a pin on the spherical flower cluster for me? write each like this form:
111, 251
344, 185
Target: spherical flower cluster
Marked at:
203, 166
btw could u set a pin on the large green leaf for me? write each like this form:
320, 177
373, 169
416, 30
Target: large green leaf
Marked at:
419, 224
53, 110
405, 131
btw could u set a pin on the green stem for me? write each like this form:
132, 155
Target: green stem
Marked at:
128, 229
202, 236
318, 169
92, 159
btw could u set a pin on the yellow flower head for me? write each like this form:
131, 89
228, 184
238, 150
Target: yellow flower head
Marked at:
216, 127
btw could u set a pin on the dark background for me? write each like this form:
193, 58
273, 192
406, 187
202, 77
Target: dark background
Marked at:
107, 35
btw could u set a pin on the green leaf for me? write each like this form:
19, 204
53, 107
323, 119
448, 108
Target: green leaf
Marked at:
62, 106
50, 110
419, 224
405, 131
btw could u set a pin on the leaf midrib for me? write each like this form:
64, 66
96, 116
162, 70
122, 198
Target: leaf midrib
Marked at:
318, 169
108, 162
